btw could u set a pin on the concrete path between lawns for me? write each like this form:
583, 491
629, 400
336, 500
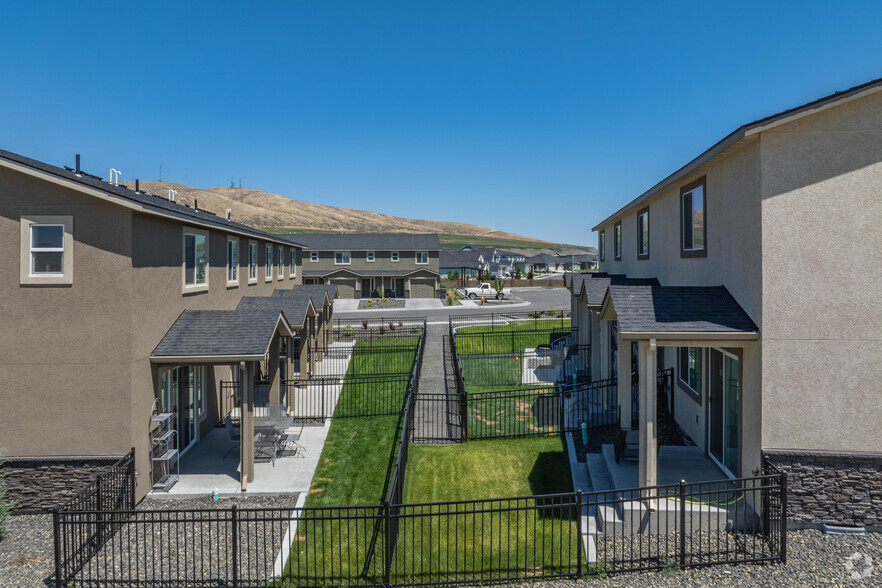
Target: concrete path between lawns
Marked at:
436, 415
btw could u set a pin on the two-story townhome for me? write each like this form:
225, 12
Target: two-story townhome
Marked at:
118, 300
753, 271
404, 265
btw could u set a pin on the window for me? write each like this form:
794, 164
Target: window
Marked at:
342, 258
195, 258
280, 256
394, 256
293, 262
693, 221
643, 233
252, 262
46, 250
197, 380
601, 245
268, 257
617, 240
422, 257
232, 260
689, 370
370, 256
313, 256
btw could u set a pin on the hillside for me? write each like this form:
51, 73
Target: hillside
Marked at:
265, 209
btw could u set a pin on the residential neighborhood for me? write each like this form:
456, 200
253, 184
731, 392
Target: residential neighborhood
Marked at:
440, 294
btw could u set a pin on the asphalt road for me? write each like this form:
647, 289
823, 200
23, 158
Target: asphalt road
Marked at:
540, 298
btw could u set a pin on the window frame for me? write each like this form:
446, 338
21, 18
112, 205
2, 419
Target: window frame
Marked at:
313, 256
292, 262
268, 259
640, 213
688, 189
617, 241
196, 287
416, 257
26, 274
233, 264
394, 256
601, 245
684, 385
280, 262
370, 256
253, 261
341, 254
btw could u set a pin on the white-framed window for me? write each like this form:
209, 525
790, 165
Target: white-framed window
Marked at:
370, 256
292, 261
394, 256
342, 258
268, 257
422, 257
313, 256
689, 369
617, 240
280, 262
693, 221
601, 245
252, 261
46, 250
195, 259
232, 261
643, 233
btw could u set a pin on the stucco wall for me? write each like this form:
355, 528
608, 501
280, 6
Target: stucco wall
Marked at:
382, 261
822, 307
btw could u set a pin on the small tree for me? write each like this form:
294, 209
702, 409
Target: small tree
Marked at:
487, 275
498, 285
381, 291
517, 274
530, 275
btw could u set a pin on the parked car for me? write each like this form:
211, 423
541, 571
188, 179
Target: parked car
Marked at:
487, 290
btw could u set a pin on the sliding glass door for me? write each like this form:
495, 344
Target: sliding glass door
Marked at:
723, 408
182, 392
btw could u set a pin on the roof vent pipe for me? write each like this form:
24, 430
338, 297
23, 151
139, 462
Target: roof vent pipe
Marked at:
227, 213
171, 195
78, 164
114, 176
137, 185
195, 204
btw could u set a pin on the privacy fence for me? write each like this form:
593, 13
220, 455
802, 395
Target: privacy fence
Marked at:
462, 542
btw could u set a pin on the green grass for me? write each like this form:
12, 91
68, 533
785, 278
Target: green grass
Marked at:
383, 356
511, 338
514, 541
530, 411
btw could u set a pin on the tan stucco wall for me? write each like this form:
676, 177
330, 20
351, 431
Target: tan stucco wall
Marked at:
822, 287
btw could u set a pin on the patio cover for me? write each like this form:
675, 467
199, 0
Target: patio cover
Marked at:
295, 307
693, 312
595, 286
320, 294
221, 336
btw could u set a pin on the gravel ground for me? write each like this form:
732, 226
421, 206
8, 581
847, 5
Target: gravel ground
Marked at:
26, 557
814, 559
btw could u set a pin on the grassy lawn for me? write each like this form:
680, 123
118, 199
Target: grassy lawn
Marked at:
383, 356
530, 411
511, 338
460, 541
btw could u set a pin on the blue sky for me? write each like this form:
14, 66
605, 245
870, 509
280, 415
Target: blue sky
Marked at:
538, 118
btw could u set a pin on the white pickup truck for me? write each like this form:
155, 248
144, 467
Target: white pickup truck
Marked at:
486, 290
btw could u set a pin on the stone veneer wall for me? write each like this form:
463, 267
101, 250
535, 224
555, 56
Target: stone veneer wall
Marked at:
833, 488
42, 483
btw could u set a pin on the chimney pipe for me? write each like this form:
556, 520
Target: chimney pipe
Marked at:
227, 213
78, 164
137, 185
195, 204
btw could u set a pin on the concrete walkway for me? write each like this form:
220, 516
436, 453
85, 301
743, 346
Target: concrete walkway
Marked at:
436, 417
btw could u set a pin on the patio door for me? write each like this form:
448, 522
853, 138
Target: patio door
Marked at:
179, 396
367, 288
724, 388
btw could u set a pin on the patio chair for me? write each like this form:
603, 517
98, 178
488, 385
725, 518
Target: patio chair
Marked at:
234, 433
289, 441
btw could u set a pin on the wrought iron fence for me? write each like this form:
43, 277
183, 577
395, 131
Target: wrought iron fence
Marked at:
529, 367
322, 398
365, 357
375, 328
501, 321
510, 341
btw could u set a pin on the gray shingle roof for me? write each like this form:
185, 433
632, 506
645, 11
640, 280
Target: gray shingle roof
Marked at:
596, 285
219, 333
366, 241
316, 292
294, 307
369, 273
678, 309
156, 203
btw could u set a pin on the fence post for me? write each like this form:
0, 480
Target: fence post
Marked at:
682, 524
783, 517
579, 533
99, 519
234, 544
387, 546
56, 533
131, 504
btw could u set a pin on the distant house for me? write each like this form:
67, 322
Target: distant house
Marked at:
405, 265
467, 264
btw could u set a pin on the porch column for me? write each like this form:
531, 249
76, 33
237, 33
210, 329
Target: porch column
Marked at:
623, 371
273, 375
246, 429
314, 326
304, 342
598, 348
648, 466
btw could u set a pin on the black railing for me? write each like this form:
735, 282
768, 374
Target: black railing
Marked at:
510, 341
528, 368
366, 357
322, 398
501, 321
376, 328
595, 404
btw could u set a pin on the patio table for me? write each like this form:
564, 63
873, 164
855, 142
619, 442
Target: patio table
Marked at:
267, 432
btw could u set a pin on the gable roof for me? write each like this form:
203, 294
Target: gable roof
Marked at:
213, 335
318, 293
141, 201
296, 308
459, 259
679, 310
746, 133
367, 241
595, 286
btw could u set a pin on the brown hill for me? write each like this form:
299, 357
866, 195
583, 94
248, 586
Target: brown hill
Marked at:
265, 209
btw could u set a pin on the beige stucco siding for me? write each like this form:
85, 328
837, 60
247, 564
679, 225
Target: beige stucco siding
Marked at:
822, 287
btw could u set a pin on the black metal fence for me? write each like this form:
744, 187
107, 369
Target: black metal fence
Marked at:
352, 396
510, 341
375, 328
501, 321
528, 367
389, 355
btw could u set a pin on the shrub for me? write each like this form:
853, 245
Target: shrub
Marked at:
382, 329
391, 326
347, 330
364, 324
381, 292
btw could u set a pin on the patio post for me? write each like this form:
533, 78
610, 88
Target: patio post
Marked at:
274, 375
623, 371
246, 430
648, 466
